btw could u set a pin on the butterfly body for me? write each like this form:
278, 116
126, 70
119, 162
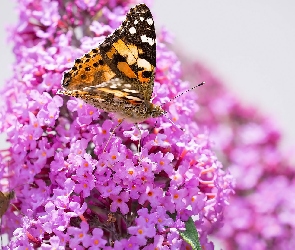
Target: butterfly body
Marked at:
118, 76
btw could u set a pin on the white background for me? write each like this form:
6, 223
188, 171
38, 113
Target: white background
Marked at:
249, 44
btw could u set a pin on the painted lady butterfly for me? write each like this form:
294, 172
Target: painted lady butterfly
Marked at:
118, 75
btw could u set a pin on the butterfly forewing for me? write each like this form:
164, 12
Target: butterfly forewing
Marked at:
131, 50
89, 70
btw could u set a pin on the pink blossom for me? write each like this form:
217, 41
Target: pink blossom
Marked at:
76, 185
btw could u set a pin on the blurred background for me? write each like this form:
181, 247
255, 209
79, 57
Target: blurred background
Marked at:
248, 44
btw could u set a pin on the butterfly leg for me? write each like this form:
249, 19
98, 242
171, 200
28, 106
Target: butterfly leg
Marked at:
113, 132
139, 144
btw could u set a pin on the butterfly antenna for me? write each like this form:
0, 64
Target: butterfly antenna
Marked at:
165, 114
188, 90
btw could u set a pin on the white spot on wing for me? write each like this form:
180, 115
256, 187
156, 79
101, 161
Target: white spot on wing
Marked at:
131, 91
115, 85
141, 18
148, 40
136, 22
149, 21
132, 30
142, 63
127, 85
133, 98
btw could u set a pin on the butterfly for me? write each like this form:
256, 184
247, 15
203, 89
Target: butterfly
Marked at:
118, 76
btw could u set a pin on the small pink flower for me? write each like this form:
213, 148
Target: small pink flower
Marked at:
143, 229
152, 195
97, 239
120, 202
79, 235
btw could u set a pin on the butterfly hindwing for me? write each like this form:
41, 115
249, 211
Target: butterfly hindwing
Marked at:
117, 88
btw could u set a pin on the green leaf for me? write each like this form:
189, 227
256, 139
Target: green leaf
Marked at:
190, 235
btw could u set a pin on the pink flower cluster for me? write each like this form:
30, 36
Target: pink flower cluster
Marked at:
69, 193
261, 212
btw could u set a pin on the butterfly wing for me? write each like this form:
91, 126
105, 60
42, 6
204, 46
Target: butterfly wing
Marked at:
117, 88
129, 54
131, 50
89, 70
113, 96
